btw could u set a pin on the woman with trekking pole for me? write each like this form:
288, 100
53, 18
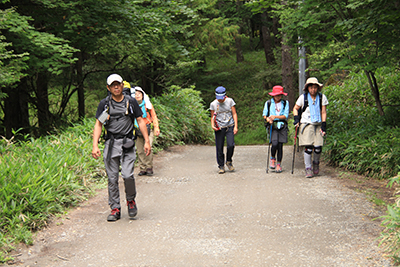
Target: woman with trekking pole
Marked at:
310, 118
276, 113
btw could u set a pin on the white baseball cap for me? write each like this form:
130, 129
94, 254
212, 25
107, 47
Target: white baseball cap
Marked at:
114, 77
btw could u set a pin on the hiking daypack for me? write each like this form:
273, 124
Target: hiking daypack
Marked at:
128, 112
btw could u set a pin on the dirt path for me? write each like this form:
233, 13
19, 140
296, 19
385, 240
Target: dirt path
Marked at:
191, 216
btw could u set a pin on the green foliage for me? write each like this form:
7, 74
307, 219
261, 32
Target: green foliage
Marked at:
42, 177
342, 33
183, 118
390, 236
217, 35
43, 51
11, 64
359, 139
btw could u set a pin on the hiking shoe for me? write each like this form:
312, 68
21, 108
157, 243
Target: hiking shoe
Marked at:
230, 166
309, 173
221, 170
149, 171
272, 163
114, 215
315, 167
132, 209
278, 168
142, 173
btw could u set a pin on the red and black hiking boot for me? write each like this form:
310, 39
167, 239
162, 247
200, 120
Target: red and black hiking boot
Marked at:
132, 209
114, 215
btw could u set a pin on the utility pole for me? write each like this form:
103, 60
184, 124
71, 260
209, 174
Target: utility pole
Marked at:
302, 67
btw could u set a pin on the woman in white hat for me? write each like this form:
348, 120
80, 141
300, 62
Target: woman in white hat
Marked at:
276, 113
310, 118
145, 162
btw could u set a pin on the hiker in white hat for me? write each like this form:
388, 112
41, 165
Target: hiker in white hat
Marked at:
310, 121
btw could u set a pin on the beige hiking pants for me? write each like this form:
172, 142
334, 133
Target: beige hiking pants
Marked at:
144, 162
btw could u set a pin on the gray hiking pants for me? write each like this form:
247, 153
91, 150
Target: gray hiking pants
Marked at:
127, 162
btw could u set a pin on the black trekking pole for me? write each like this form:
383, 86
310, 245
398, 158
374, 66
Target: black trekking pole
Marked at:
269, 144
294, 148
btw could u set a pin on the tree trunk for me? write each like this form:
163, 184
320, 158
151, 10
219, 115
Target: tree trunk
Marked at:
16, 110
81, 93
287, 72
239, 51
375, 91
266, 38
238, 39
42, 95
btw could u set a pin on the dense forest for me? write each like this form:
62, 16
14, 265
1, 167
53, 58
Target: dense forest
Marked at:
55, 55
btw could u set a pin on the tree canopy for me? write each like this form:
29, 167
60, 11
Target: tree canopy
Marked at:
57, 50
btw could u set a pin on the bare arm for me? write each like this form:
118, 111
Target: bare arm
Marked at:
212, 121
96, 136
143, 130
296, 110
155, 121
323, 114
235, 119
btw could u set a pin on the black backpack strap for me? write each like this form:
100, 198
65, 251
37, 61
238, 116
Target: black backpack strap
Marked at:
305, 102
320, 101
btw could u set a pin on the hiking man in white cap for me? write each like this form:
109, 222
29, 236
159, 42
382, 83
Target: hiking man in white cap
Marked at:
310, 116
117, 113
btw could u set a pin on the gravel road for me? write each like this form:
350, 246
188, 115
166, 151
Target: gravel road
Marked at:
189, 215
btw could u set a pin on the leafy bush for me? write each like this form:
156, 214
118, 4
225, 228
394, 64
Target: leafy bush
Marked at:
359, 139
183, 118
42, 177
390, 236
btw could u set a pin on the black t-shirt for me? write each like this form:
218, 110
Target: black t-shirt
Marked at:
119, 123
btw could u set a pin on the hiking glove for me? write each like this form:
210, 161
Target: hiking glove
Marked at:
323, 126
296, 119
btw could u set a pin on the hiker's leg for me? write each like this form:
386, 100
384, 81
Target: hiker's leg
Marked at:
307, 156
219, 144
127, 166
280, 152
140, 152
317, 153
112, 169
230, 143
274, 148
148, 160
